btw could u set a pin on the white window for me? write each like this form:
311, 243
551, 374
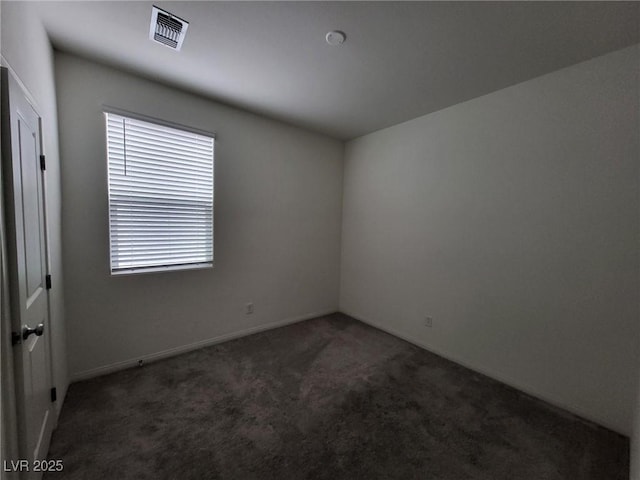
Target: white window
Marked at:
160, 196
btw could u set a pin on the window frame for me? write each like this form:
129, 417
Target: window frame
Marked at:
163, 123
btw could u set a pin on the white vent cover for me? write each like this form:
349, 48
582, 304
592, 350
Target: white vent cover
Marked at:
167, 29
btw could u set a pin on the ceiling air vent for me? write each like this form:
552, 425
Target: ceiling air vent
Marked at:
167, 29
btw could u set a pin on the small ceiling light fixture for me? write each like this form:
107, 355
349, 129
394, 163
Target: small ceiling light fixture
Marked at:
335, 38
167, 29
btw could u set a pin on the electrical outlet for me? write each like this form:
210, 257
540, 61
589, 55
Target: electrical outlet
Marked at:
248, 308
428, 321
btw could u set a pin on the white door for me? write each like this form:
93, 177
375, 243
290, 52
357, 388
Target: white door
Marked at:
26, 237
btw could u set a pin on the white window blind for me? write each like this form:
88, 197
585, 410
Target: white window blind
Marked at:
160, 196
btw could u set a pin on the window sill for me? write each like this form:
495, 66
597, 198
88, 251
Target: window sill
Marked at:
169, 268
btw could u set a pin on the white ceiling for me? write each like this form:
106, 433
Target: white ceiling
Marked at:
401, 59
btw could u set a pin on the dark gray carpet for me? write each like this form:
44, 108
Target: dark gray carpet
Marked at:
330, 398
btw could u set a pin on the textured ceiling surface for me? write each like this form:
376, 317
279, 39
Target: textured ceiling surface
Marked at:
401, 59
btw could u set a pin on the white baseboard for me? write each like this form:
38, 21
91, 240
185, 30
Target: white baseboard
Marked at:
560, 403
171, 352
518, 385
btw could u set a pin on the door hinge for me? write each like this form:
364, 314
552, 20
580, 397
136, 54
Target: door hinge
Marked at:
43, 163
47, 281
54, 394
16, 338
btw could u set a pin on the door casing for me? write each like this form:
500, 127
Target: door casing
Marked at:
12, 401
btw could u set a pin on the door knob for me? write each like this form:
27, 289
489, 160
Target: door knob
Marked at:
26, 331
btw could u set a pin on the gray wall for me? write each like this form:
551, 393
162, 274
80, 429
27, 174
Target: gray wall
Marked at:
27, 50
278, 200
512, 220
